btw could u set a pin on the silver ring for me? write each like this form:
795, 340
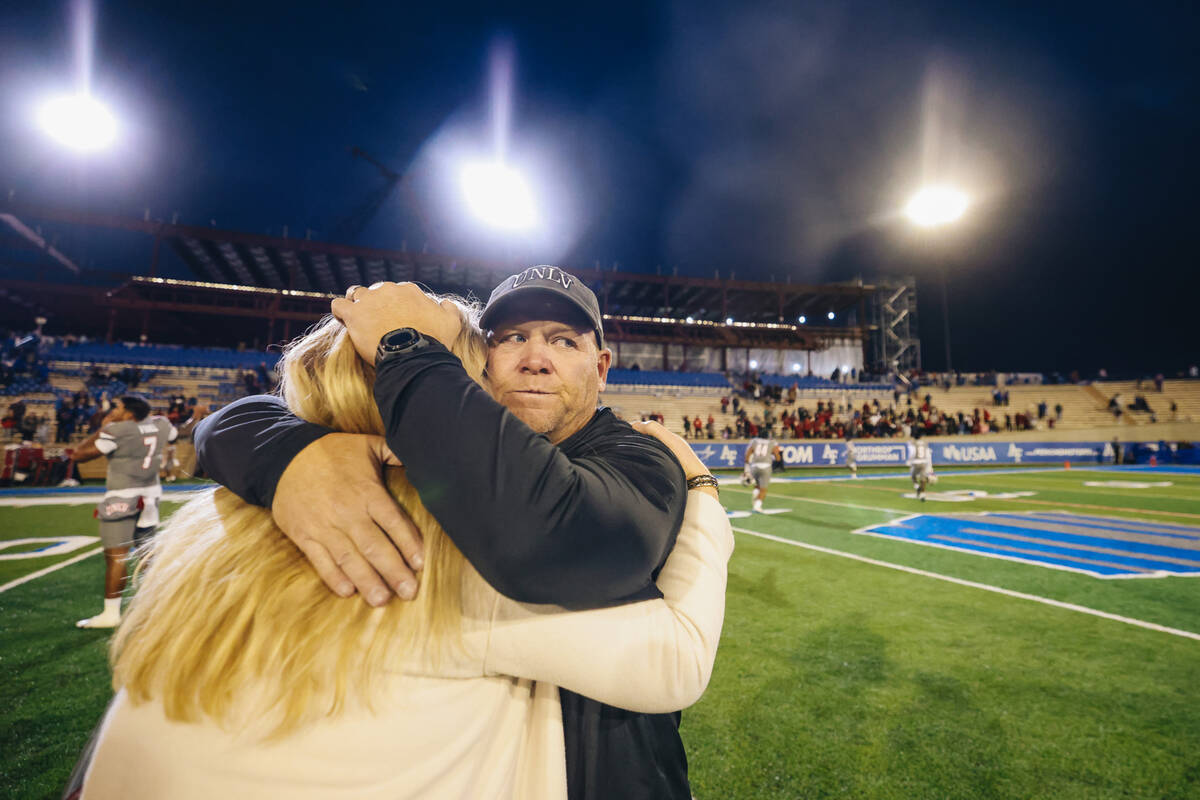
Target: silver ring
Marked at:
350, 292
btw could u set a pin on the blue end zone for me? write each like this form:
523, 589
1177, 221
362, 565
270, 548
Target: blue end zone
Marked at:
1105, 547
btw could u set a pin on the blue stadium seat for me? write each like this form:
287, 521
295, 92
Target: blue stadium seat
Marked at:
650, 377
161, 355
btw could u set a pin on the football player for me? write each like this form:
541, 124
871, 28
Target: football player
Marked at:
134, 442
920, 462
760, 455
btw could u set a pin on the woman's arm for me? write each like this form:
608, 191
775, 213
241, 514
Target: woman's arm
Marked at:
654, 656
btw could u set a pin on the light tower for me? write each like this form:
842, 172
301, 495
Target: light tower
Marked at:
935, 207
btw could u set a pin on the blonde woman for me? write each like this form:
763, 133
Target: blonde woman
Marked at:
238, 674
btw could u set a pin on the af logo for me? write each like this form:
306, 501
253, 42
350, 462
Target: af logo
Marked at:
1014, 453
830, 454
728, 455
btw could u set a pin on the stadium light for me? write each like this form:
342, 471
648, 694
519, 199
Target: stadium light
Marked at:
78, 121
499, 195
795, 367
829, 315
753, 364
802, 319
729, 320
934, 206
691, 320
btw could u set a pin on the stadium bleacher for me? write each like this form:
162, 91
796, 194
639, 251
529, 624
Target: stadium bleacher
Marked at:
650, 377
214, 377
159, 355
814, 382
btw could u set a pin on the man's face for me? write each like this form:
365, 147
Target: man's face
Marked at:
119, 412
547, 372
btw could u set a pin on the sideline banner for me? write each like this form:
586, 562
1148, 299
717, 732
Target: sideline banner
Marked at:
883, 452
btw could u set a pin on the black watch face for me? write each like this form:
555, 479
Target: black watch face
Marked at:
398, 340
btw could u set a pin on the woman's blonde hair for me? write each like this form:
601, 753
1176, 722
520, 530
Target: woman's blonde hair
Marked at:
227, 602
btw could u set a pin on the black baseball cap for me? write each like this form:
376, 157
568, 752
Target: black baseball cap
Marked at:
541, 283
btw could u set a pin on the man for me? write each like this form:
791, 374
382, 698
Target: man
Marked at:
552, 500
760, 456
851, 458
134, 443
920, 462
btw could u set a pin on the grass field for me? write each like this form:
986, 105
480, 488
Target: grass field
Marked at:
852, 664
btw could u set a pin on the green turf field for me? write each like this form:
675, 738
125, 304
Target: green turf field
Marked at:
852, 665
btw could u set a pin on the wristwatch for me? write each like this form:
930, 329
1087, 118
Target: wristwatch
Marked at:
399, 342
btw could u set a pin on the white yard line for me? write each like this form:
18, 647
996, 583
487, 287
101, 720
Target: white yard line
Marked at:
972, 584
48, 570
791, 499
86, 499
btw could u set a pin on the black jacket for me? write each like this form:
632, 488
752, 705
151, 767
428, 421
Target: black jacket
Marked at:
584, 524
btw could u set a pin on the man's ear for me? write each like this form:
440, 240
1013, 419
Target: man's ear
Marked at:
603, 362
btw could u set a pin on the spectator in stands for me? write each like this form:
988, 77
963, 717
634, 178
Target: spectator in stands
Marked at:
1058, 412
16, 410
710, 427
736, 404
724, 404
687, 426
1158, 382
65, 417
697, 427
28, 427
1041, 409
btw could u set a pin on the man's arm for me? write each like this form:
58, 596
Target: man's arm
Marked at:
540, 526
100, 443
87, 450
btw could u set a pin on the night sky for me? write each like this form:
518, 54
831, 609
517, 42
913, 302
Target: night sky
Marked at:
770, 140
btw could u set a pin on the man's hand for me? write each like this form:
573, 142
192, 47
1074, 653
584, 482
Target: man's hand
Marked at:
370, 313
331, 502
683, 452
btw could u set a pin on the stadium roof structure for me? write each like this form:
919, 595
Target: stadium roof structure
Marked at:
278, 279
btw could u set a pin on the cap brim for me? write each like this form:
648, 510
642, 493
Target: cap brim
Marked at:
530, 298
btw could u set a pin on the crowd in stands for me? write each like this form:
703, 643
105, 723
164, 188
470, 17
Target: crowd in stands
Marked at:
107, 371
21, 363
259, 380
831, 420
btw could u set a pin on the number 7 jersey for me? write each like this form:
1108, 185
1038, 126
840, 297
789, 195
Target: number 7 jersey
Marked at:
135, 451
